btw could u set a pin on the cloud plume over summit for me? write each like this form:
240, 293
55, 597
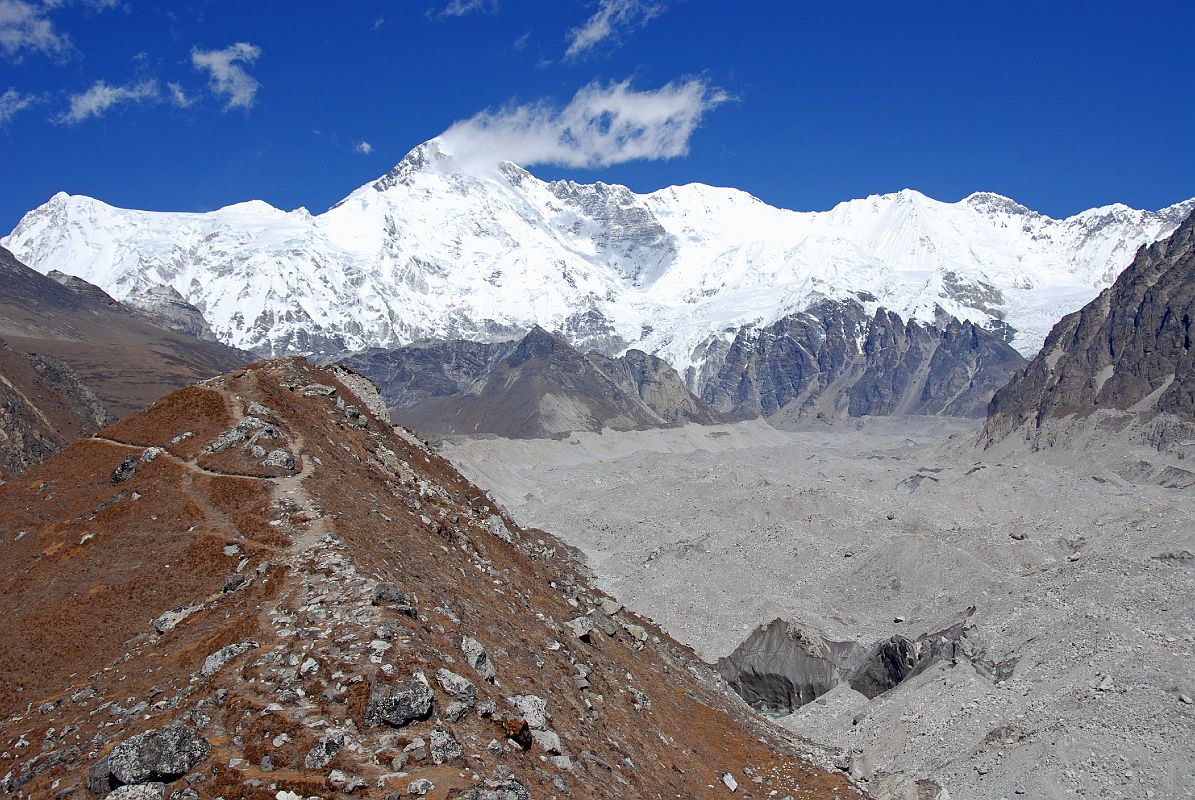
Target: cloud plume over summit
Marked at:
601, 125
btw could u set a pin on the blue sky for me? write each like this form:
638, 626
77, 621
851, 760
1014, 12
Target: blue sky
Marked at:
194, 105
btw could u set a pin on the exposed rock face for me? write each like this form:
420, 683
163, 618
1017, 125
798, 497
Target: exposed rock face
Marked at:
166, 308
44, 406
302, 685
127, 361
782, 666
622, 227
538, 386
1129, 349
835, 359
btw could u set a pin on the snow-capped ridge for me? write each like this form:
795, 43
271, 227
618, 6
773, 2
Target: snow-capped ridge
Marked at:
437, 249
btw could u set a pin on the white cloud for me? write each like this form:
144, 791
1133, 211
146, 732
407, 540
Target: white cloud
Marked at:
179, 97
25, 26
461, 8
100, 97
612, 18
521, 42
364, 148
601, 125
228, 76
13, 102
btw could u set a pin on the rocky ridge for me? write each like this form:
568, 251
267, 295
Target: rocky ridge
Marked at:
299, 601
835, 359
446, 251
125, 359
158, 305
1126, 358
536, 386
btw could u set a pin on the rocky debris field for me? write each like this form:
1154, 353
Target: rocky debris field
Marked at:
256, 589
955, 622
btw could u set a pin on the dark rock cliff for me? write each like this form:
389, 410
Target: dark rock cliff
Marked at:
835, 359
1130, 348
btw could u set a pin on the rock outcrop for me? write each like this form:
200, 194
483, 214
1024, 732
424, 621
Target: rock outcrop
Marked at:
539, 386
355, 625
836, 360
782, 666
1129, 350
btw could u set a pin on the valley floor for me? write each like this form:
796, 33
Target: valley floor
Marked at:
1082, 583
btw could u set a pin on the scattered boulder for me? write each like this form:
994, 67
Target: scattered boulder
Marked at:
581, 627
235, 581
444, 746
477, 658
388, 594
140, 791
496, 526
99, 778
124, 470
258, 410
457, 686
217, 660
328, 746
279, 458
420, 787
237, 434
637, 632
547, 741
398, 704
345, 782
508, 789
604, 623
318, 390
534, 709
641, 699
161, 755
172, 618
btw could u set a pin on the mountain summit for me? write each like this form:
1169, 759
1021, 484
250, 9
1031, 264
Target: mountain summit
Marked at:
433, 250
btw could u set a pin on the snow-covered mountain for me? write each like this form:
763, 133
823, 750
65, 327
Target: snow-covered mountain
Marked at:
432, 251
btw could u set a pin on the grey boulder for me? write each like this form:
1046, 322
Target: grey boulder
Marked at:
398, 704
161, 755
140, 791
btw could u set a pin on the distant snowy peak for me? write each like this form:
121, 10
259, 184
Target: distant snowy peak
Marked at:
433, 250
